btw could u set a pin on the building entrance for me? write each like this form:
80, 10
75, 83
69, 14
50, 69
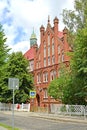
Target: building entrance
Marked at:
38, 99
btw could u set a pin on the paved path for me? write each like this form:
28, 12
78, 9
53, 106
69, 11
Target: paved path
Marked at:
65, 118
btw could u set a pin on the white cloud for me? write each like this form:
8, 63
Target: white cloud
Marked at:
26, 14
20, 46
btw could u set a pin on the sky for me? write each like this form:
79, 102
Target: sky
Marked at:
19, 17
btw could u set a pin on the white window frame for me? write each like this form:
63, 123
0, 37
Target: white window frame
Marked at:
45, 77
38, 78
45, 93
44, 62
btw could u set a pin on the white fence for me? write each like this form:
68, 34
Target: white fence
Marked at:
69, 109
17, 107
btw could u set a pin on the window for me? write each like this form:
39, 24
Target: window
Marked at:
45, 77
52, 46
53, 60
52, 75
62, 56
48, 60
39, 78
48, 50
39, 64
58, 49
48, 39
31, 65
45, 93
44, 62
44, 50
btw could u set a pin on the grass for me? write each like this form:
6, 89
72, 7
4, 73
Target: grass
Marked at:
8, 127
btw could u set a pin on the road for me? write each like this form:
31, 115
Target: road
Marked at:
35, 123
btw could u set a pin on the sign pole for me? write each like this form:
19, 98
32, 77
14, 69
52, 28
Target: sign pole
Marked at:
13, 109
13, 84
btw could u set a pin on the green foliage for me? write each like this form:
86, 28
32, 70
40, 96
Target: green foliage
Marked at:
3, 61
57, 86
17, 68
8, 127
71, 87
76, 21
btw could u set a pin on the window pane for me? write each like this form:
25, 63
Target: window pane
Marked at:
48, 39
44, 62
48, 60
48, 50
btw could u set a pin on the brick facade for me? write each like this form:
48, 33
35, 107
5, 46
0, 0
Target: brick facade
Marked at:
45, 60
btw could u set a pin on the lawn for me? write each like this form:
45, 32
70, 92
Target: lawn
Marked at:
8, 127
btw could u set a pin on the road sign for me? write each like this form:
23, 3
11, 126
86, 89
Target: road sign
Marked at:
13, 83
32, 94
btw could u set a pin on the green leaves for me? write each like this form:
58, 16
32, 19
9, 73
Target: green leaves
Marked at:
72, 86
17, 67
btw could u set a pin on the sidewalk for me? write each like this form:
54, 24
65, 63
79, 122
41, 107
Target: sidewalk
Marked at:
57, 117
66, 118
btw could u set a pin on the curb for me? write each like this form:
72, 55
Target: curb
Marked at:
55, 117
60, 118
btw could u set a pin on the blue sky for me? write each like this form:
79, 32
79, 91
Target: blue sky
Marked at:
19, 17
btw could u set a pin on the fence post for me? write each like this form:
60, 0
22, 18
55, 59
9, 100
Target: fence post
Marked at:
22, 106
84, 114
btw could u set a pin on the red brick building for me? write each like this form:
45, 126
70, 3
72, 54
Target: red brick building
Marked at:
44, 61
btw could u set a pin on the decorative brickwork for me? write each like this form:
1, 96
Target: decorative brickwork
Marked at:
46, 61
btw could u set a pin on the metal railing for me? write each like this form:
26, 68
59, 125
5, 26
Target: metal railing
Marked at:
17, 107
69, 109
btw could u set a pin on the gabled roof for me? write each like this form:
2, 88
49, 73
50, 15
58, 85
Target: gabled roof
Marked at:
29, 54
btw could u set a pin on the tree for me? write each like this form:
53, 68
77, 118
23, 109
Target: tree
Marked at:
76, 22
3, 61
72, 86
17, 68
76, 19
56, 87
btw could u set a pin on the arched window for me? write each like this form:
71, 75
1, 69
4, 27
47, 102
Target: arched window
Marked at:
52, 46
44, 62
48, 60
45, 77
53, 60
45, 93
44, 49
52, 75
59, 50
49, 50
38, 78
48, 39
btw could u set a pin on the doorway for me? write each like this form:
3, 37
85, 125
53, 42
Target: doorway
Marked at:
38, 99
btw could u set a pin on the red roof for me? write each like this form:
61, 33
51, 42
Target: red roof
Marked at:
60, 34
29, 54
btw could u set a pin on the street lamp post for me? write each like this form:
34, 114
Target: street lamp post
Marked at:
13, 84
